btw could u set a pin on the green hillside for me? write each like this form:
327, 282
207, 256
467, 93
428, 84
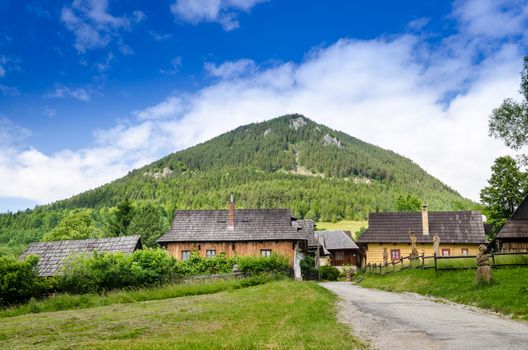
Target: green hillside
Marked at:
288, 161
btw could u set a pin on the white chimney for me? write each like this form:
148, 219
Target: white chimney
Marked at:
231, 215
425, 220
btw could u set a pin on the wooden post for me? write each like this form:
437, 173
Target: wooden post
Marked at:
436, 264
423, 259
492, 259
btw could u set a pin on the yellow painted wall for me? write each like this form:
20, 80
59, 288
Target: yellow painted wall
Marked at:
375, 250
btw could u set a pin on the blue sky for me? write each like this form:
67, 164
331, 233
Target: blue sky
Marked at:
90, 89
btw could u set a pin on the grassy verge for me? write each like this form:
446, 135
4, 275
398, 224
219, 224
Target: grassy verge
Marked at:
344, 225
59, 302
508, 294
277, 315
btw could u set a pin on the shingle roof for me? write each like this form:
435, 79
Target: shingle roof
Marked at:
451, 227
517, 226
307, 226
336, 240
250, 225
51, 254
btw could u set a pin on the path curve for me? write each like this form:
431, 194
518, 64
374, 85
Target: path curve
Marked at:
409, 321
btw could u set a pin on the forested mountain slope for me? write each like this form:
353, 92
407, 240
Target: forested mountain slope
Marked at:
288, 161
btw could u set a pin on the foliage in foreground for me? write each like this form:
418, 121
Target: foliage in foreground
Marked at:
329, 273
508, 293
102, 272
19, 280
66, 301
279, 315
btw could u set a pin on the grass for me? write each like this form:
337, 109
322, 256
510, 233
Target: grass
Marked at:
278, 315
508, 294
60, 302
345, 225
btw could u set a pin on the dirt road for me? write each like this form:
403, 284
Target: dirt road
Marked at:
408, 321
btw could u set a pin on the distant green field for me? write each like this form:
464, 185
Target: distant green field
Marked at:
345, 225
277, 315
507, 294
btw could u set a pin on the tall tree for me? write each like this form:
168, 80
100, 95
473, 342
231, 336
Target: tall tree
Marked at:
509, 121
78, 224
150, 222
122, 217
505, 191
408, 203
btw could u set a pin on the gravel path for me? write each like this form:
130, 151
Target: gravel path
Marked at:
409, 321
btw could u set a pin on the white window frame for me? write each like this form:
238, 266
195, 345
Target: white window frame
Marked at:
265, 252
185, 255
210, 253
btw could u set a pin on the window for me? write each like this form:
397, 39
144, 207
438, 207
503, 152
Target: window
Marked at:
210, 253
186, 254
395, 254
465, 251
265, 252
339, 255
445, 252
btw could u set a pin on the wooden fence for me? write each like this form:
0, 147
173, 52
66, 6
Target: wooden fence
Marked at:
444, 263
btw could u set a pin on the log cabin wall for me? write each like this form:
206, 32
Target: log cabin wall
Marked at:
251, 248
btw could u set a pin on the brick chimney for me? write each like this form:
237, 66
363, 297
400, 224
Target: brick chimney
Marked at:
231, 219
425, 220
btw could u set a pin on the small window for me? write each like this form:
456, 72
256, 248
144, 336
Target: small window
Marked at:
395, 254
186, 254
265, 252
445, 252
465, 251
340, 255
233, 247
210, 253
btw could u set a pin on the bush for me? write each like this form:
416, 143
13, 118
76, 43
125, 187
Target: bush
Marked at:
19, 280
197, 265
308, 269
329, 273
106, 271
251, 265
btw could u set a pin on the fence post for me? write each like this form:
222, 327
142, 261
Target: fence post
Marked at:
380, 268
492, 259
436, 266
423, 259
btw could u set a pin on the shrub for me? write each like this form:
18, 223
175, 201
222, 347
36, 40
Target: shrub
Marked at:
258, 264
19, 280
308, 269
106, 271
197, 265
329, 273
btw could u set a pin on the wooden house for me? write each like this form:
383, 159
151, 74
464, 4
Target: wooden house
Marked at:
460, 233
242, 232
513, 237
52, 254
339, 248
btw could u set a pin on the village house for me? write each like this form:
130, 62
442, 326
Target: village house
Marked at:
513, 237
242, 232
459, 233
338, 248
52, 254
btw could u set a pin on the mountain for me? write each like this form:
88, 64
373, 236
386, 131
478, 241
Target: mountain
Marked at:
288, 161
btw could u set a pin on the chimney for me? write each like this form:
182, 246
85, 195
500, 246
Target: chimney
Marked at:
425, 220
231, 220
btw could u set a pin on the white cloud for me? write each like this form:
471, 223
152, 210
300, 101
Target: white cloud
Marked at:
221, 11
228, 70
429, 103
9, 90
92, 24
175, 66
62, 91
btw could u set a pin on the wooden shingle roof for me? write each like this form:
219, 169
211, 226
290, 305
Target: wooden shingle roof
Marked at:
517, 226
52, 254
250, 225
336, 240
451, 227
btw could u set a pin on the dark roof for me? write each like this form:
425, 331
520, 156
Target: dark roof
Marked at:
250, 225
336, 240
517, 226
451, 227
307, 226
51, 254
